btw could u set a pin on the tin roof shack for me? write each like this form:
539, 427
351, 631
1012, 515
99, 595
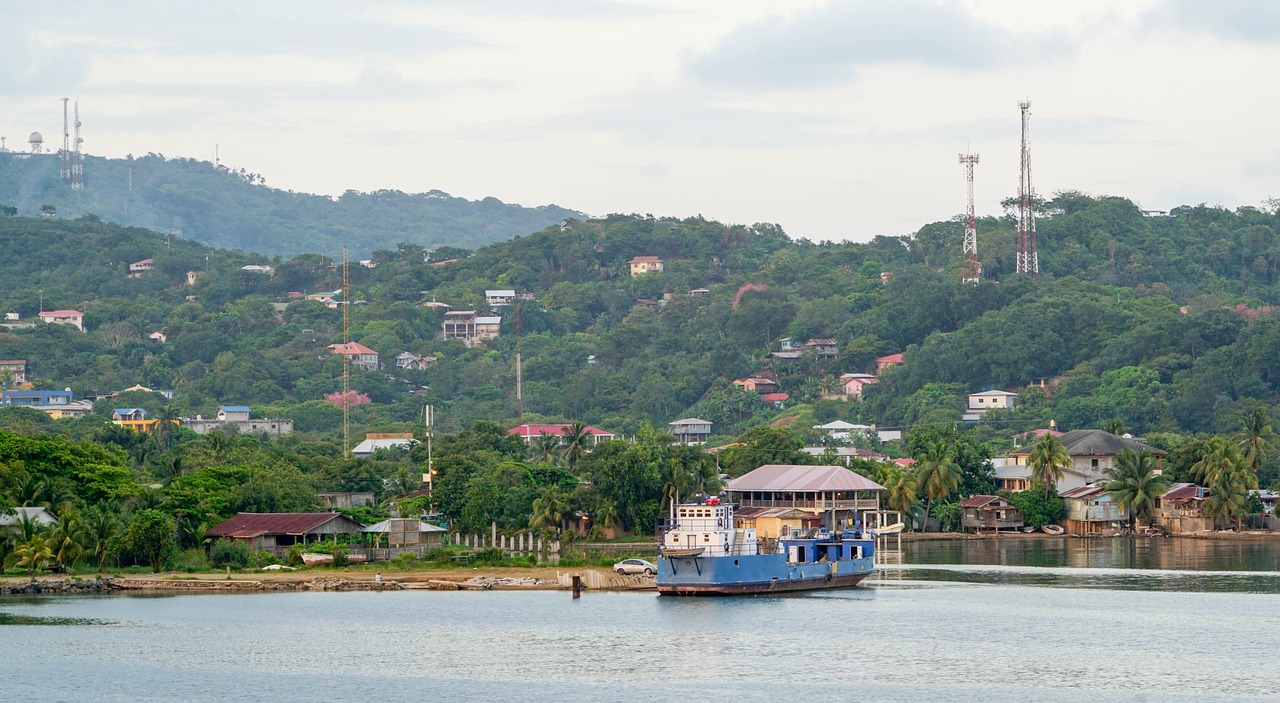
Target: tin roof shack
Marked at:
984, 512
277, 532
1091, 511
816, 490
1181, 509
399, 532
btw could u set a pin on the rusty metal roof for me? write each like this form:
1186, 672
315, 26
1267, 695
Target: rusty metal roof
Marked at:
248, 525
978, 501
800, 478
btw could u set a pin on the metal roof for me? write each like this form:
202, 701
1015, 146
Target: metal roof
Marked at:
979, 501
385, 526
801, 478
246, 525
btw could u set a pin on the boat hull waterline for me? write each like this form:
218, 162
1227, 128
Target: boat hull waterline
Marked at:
756, 574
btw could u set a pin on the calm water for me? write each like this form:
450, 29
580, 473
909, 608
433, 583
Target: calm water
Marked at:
1051, 620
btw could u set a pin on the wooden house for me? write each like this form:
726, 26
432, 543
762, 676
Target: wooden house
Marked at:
986, 512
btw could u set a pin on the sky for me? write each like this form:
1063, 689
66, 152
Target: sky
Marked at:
839, 120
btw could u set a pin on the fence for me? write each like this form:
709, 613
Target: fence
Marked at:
519, 544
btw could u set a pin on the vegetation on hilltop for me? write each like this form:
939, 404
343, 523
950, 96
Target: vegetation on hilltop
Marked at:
235, 209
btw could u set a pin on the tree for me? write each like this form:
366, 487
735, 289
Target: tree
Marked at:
549, 509
901, 486
101, 527
1039, 508
937, 472
1228, 497
1047, 460
577, 442
150, 538
34, 553
1255, 438
1135, 485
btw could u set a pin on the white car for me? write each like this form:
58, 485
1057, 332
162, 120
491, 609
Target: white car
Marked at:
636, 566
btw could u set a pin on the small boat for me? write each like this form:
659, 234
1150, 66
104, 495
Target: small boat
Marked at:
1053, 529
893, 529
1028, 529
703, 554
311, 559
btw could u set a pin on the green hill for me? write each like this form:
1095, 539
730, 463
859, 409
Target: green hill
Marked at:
235, 209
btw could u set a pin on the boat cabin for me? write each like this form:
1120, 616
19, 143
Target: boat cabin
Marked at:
706, 528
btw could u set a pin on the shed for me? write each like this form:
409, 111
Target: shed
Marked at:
276, 532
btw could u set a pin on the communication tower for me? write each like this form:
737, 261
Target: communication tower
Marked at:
64, 156
36, 140
1028, 254
972, 270
77, 157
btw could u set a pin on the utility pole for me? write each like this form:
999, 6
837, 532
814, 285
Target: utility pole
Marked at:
971, 271
429, 476
1028, 254
519, 377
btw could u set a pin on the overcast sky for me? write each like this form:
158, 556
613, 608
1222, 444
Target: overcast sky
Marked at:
837, 120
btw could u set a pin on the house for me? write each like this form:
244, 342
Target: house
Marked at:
407, 532
984, 512
472, 329
788, 355
1180, 509
775, 399
445, 307
35, 399
980, 403
1013, 475
498, 298
851, 384
888, 362
839, 429
690, 431
41, 516
132, 418
821, 347
641, 265
1092, 452
257, 268
346, 500
13, 372
757, 384
409, 360
532, 433
137, 268
1029, 437
277, 532
846, 455
358, 355
235, 418
325, 297
138, 387
373, 441
1091, 510
813, 490
158, 336
698, 292
75, 318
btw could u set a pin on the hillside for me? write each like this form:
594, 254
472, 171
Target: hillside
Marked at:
237, 210
1161, 324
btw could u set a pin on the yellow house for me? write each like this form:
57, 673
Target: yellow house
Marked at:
645, 264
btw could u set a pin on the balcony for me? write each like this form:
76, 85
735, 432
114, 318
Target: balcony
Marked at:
812, 504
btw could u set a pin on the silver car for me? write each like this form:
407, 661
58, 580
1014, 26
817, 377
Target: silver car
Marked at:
636, 566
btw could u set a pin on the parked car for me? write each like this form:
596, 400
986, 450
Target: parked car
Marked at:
636, 566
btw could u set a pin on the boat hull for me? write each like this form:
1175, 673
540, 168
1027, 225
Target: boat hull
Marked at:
756, 574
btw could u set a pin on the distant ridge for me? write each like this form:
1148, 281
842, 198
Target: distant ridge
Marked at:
237, 210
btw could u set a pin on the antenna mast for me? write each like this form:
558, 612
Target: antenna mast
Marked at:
972, 270
77, 158
519, 378
346, 360
64, 158
1028, 255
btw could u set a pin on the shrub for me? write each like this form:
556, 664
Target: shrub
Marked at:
262, 558
228, 552
191, 560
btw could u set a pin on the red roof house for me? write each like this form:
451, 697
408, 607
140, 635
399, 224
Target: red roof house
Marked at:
530, 433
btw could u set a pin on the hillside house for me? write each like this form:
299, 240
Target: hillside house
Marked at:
472, 329
358, 355
821, 347
277, 532
40, 516
75, 318
985, 512
325, 297
846, 455
839, 429
137, 268
690, 431
980, 403
236, 418
1092, 452
498, 298
1013, 475
1091, 510
258, 268
411, 361
641, 265
373, 441
532, 433
13, 372
777, 400
814, 491
158, 337
851, 384
757, 384
888, 362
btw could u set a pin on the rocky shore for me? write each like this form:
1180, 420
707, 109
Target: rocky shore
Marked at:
60, 587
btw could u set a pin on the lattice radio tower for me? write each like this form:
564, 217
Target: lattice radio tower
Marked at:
1028, 254
64, 156
972, 270
77, 157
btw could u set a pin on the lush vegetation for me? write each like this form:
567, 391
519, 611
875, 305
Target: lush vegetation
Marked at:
1158, 326
236, 209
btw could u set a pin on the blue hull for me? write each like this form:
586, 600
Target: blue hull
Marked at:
759, 573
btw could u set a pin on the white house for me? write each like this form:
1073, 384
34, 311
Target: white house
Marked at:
690, 431
980, 403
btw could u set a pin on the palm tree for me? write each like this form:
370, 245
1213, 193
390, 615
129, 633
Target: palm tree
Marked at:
33, 553
549, 509
938, 474
1047, 460
577, 441
901, 486
101, 526
66, 540
1135, 485
544, 448
1255, 438
1221, 457
1227, 498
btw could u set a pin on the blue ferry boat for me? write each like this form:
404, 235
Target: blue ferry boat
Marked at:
703, 554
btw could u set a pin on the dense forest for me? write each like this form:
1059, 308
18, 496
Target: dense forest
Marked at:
1162, 326
236, 209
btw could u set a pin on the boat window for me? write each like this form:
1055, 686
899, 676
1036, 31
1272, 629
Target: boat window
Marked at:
706, 538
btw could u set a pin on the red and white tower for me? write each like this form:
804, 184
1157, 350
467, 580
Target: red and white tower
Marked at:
1028, 255
972, 270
